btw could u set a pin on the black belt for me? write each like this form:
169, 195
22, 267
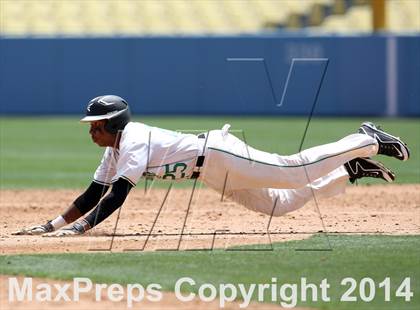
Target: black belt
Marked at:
200, 161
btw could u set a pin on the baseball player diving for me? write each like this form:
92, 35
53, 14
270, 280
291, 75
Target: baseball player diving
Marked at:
263, 182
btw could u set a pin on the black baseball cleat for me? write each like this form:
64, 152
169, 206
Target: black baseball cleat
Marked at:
388, 144
365, 167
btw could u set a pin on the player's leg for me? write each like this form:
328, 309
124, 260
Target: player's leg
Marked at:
232, 164
280, 201
243, 167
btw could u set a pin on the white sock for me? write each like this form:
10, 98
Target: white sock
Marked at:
58, 222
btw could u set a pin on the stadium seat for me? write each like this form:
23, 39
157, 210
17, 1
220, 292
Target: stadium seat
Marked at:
405, 15
178, 17
357, 19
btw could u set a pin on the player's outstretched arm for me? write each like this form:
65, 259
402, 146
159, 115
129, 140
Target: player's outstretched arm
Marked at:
84, 203
104, 209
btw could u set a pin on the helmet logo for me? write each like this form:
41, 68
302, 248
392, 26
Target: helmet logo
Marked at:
88, 107
104, 102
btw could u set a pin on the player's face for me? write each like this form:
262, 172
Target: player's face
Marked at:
99, 135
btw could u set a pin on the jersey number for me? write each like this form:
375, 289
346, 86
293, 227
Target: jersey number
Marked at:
172, 172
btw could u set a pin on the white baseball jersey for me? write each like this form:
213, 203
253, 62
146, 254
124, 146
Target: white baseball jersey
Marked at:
146, 151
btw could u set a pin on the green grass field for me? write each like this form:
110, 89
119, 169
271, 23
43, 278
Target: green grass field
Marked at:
52, 152
58, 153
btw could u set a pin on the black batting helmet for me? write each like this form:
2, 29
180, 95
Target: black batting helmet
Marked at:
112, 108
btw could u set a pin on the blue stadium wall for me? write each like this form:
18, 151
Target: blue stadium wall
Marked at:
366, 75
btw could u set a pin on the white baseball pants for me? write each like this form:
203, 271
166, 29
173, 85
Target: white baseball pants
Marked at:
275, 184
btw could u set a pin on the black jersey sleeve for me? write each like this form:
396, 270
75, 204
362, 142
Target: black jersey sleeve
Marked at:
90, 198
110, 202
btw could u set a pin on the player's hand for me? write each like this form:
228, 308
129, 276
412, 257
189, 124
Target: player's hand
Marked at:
35, 230
75, 230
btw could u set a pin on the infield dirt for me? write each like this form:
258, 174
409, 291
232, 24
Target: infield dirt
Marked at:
380, 209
